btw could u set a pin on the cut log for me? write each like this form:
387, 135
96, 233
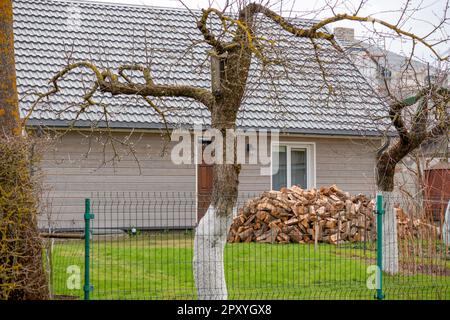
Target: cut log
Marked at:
333, 238
287, 229
246, 234
250, 220
291, 221
330, 223
268, 237
284, 237
295, 235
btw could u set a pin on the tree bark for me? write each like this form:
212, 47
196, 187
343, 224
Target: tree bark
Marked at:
22, 276
211, 233
446, 228
385, 183
9, 104
209, 245
390, 235
385, 173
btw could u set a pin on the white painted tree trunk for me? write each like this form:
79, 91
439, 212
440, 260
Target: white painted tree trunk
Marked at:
209, 244
446, 227
390, 238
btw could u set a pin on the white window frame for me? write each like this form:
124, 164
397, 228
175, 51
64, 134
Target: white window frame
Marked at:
310, 148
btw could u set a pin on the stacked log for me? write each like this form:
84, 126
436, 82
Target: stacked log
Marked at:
408, 227
294, 215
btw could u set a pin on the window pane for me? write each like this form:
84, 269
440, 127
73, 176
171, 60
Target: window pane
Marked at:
279, 177
298, 168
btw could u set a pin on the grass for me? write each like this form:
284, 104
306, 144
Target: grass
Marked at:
159, 266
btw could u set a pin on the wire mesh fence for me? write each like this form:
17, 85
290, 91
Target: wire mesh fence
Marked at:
142, 247
417, 265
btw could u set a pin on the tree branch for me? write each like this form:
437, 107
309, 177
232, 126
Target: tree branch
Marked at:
201, 95
247, 14
209, 37
418, 134
400, 32
108, 81
250, 10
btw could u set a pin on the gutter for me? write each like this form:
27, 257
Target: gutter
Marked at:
152, 127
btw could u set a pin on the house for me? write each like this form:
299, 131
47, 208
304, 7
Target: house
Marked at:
324, 138
403, 74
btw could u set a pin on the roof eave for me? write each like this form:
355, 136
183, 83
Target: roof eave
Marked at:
83, 124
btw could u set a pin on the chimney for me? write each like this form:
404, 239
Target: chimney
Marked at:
347, 34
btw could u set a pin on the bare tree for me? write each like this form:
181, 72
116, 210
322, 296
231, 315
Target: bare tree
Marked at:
431, 119
418, 113
232, 52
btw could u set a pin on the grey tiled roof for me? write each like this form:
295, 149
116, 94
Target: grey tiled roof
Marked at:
47, 32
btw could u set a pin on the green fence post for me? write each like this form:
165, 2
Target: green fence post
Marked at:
87, 237
380, 212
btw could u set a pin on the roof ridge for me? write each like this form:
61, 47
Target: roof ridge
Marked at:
146, 6
366, 44
111, 4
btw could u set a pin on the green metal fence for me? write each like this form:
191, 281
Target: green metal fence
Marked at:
140, 246
379, 274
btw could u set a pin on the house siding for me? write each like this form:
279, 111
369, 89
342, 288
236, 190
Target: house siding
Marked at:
74, 170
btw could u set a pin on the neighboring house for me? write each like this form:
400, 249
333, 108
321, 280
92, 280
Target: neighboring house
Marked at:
324, 139
402, 74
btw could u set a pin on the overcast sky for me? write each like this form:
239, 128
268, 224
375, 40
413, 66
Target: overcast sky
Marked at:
420, 23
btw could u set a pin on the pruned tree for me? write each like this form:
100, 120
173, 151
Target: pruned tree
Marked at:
21, 268
431, 119
417, 102
232, 50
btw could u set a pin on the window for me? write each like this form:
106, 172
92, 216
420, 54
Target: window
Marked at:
279, 178
383, 72
295, 164
298, 168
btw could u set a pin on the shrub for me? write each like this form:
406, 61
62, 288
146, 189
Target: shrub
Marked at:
22, 274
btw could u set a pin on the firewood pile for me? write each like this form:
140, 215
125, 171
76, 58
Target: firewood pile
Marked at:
408, 227
294, 215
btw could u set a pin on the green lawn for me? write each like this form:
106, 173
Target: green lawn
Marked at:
159, 266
